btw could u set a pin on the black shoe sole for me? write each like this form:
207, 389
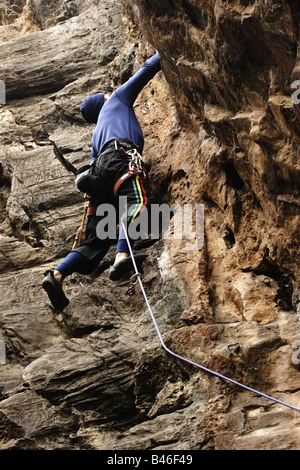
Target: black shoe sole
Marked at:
125, 266
55, 292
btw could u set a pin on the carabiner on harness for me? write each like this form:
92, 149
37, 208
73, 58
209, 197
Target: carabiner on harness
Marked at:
135, 169
136, 164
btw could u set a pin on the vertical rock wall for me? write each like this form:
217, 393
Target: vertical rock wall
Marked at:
221, 130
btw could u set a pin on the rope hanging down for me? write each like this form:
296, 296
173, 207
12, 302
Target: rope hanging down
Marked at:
223, 377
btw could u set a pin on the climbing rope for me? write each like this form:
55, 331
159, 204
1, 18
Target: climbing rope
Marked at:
205, 369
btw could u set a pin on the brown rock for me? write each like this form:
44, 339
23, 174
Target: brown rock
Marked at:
222, 131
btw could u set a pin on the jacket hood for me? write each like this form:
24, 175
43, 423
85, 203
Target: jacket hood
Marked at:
91, 107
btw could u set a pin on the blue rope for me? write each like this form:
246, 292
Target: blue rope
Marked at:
205, 369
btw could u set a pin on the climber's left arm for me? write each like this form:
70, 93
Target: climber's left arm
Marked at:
129, 91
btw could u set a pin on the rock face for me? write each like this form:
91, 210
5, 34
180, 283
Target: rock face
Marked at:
222, 130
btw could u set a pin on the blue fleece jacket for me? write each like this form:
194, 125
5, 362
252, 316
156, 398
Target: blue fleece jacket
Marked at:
117, 119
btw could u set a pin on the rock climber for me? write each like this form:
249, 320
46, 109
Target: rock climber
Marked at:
117, 139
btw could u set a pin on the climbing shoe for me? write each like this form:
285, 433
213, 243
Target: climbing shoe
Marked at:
124, 267
54, 291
